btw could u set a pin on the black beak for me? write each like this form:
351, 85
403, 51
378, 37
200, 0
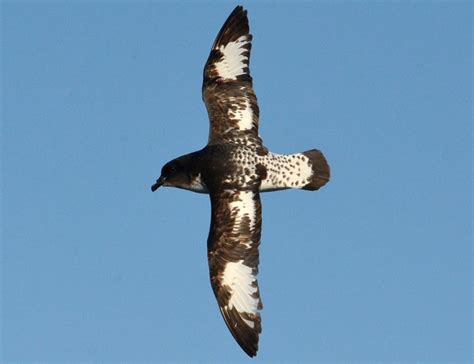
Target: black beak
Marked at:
159, 182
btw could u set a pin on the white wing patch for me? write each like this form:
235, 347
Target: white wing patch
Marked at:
286, 171
235, 59
239, 277
243, 114
244, 207
241, 281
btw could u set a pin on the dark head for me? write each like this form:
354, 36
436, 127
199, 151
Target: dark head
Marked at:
179, 172
172, 174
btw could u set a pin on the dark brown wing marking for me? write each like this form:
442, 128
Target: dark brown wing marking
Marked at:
232, 245
227, 87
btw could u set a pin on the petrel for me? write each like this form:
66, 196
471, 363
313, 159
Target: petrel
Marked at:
233, 168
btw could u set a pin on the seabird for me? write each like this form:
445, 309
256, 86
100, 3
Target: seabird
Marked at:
233, 168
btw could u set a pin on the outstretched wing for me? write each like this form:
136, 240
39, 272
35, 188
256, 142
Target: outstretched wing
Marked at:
227, 86
232, 246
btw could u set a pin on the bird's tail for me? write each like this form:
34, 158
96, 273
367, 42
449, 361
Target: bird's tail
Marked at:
320, 167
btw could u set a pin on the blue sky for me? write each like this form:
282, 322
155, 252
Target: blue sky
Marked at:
97, 96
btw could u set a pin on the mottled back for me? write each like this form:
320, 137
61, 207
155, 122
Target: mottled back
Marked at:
234, 168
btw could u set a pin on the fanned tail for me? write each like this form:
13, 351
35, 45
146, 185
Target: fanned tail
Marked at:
321, 170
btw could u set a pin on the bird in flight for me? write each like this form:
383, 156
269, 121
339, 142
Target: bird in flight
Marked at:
233, 168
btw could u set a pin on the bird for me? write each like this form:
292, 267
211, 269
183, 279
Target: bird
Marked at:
234, 168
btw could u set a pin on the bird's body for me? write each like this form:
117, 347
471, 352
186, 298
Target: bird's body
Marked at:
233, 169
241, 167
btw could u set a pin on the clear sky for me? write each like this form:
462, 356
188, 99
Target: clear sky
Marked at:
97, 96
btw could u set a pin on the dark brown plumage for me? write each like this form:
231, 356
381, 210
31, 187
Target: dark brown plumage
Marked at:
233, 169
320, 167
233, 237
221, 94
